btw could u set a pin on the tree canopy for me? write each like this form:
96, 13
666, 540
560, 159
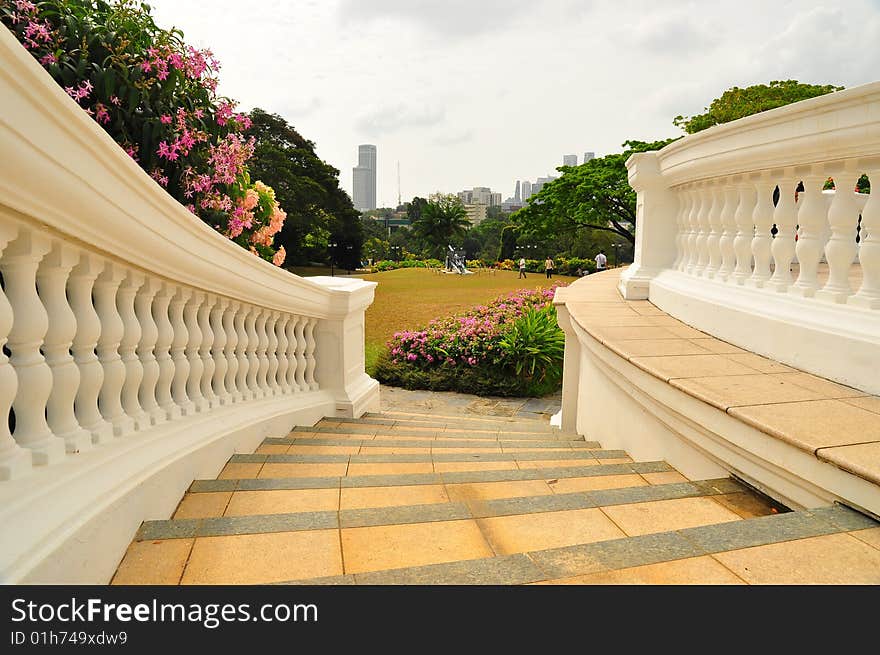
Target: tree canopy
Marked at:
595, 195
737, 103
442, 220
319, 212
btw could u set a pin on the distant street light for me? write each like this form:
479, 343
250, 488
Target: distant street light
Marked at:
332, 246
616, 247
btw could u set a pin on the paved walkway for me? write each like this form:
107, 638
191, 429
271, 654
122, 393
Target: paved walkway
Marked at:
444, 488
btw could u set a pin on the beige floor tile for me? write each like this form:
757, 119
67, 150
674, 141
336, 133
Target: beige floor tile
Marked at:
451, 467
656, 347
282, 501
717, 346
560, 449
492, 450
870, 536
728, 391
870, 403
556, 463
827, 388
303, 470
691, 571
667, 477
863, 459
264, 558
616, 460
397, 546
761, 364
571, 485
690, 366
493, 490
395, 450
153, 562
272, 450
830, 559
628, 333
199, 506
390, 469
527, 532
303, 449
747, 505
686, 332
813, 424
236, 471
419, 494
664, 515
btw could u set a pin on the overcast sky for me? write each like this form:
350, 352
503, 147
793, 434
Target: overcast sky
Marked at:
470, 93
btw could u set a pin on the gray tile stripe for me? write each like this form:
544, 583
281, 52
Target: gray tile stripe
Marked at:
615, 554
254, 484
427, 443
436, 457
450, 511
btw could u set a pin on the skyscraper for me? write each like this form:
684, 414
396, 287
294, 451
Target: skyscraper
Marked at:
588, 156
569, 160
516, 196
526, 190
364, 179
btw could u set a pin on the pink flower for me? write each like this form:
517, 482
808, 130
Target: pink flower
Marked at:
114, 100
165, 119
278, 259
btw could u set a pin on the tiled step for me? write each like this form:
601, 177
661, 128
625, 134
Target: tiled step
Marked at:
471, 508
549, 474
429, 433
580, 453
522, 425
437, 442
734, 552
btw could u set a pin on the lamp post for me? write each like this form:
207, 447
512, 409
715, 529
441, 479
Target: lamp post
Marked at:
332, 246
396, 251
616, 247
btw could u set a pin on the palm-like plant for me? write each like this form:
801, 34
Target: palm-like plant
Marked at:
442, 220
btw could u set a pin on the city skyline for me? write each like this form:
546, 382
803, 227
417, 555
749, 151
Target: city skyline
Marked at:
363, 179
445, 96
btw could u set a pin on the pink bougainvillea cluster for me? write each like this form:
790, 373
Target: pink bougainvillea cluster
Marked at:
157, 97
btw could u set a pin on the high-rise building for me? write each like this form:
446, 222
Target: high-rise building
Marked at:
540, 182
516, 197
569, 160
480, 195
526, 190
364, 179
588, 156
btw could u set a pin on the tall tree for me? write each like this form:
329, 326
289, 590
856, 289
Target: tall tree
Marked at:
595, 195
737, 103
443, 220
319, 212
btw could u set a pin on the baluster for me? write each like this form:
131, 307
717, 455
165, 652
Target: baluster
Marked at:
785, 217
52, 278
167, 366
143, 309
29, 326
744, 230
253, 363
242, 391
811, 228
204, 318
15, 461
310, 354
704, 226
80, 289
230, 323
262, 347
840, 251
690, 264
112, 331
868, 294
178, 351
713, 239
729, 230
762, 218
193, 343
272, 354
292, 363
685, 202
283, 362
131, 337
300, 368
218, 351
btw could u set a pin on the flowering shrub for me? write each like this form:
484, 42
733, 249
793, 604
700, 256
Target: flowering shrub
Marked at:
390, 265
512, 346
156, 96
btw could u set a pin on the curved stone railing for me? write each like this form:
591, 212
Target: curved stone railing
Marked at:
736, 236
138, 343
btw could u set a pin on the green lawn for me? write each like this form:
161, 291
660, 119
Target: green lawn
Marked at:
407, 298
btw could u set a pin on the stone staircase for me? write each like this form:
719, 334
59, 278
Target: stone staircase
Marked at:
417, 497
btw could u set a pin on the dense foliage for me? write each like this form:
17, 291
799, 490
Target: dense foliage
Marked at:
737, 103
510, 347
156, 96
440, 221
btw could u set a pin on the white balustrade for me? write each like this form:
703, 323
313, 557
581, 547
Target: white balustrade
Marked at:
272, 354
218, 354
694, 229
252, 343
300, 368
208, 365
146, 394
684, 212
742, 218
293, 365
728, 230
840, 250
178, 351
311, 361
163, 352
785, 219
283, 363
241, 388
762, 217
232, 314
811, 222
713, 238
707, 207
868, 295
193, 343
262, 357
131, 337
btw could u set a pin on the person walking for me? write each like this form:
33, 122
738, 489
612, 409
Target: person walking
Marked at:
601, 261
522, 268
548, 267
